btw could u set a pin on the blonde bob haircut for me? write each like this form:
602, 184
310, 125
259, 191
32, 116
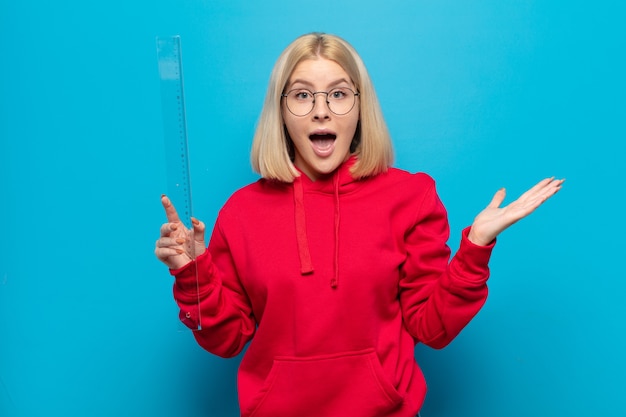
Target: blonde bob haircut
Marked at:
272, 150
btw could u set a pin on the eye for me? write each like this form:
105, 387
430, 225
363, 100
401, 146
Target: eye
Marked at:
338, 94
302, 95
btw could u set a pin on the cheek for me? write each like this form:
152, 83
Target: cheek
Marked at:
289, 129
353, 127
294, 127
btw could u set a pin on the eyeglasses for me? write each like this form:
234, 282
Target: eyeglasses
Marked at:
301, 101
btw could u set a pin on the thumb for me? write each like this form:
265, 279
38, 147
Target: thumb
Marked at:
498, 198
198, 230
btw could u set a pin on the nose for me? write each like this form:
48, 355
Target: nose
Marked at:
320, 106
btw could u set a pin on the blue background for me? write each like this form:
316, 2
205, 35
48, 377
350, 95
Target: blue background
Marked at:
480, 94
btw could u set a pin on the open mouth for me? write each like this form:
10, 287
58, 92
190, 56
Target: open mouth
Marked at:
323, 143
323, 137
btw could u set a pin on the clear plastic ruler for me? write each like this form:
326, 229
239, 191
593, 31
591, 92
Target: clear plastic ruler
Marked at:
175, 134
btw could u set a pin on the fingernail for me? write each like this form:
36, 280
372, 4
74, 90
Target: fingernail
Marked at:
180, 240
195, 221
180, 251
174, 226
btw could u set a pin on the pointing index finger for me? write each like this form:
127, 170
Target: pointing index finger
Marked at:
170, 211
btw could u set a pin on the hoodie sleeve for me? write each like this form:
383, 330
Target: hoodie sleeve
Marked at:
217, 302
439, 297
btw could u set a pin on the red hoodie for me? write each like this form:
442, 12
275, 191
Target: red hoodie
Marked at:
337, 280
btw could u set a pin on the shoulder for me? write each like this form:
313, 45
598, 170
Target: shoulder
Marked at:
256, 194
398, 188
417, 177
396, 178
417, 190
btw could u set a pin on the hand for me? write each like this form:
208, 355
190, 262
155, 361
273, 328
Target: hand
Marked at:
178, 245
493, 220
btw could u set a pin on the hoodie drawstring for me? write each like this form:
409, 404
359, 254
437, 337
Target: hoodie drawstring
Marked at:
306, 266
334, 282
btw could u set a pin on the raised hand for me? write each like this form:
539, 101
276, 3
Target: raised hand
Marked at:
174, 246
494, 219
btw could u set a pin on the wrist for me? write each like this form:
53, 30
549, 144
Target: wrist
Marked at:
477, 239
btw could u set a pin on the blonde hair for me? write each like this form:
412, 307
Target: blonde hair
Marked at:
271, 146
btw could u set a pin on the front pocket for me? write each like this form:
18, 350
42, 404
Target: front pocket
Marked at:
346, 384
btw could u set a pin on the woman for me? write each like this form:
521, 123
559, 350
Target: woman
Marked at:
334, 265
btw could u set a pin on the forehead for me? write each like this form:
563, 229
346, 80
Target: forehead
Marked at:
318, 72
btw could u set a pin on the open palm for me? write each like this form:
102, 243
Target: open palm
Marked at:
494, 219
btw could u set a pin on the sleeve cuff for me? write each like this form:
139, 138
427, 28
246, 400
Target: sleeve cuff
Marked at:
471, 262
187, 284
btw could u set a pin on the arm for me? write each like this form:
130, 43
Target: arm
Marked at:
206, 289
438, 298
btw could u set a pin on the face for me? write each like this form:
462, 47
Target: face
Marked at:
321, 138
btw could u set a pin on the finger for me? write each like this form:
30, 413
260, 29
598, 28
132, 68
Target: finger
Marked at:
170, 211
164, 254
557, 184
543, 185
168, 228
169, 242
551, 187
539, 193
536, 196
198, 230
498, 198
535, 189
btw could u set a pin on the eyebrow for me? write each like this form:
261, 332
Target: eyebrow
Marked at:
309, 84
